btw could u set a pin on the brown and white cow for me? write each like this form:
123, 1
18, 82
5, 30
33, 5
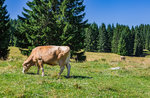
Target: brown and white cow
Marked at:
51, 55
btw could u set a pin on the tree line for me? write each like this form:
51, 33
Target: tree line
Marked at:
61, 22
120, 39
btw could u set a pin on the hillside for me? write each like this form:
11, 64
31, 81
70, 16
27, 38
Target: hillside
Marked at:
93, 78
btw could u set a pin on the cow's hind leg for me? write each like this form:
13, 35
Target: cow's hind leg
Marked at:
38, 69
61, 70
68, 68
40, 63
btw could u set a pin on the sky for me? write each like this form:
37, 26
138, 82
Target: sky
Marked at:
127, 12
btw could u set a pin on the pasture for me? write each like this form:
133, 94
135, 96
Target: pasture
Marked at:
93, 78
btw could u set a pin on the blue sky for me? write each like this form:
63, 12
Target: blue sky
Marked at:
127, 12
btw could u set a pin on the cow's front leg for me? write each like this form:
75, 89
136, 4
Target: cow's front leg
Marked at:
61, 70
40, 63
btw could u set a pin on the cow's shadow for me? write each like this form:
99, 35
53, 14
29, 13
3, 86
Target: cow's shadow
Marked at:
31, 73
73, 76
78, 77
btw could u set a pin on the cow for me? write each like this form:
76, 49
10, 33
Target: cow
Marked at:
51, 55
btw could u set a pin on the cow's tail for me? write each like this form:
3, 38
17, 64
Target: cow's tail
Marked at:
66, 52
68, 58
68, 55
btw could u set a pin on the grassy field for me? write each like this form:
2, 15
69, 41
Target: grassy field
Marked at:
93, 78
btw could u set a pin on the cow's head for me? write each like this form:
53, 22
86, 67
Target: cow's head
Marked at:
26, 67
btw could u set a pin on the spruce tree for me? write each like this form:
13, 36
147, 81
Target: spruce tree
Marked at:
4, 30
125, 42
13, 31
72, 24
116, 37
115, 40
138, 42
110, 36
147, 38
103, 45
53, 22
36, 27
131, 42
87, 39
91, 37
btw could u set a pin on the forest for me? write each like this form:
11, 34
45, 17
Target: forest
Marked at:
61, 22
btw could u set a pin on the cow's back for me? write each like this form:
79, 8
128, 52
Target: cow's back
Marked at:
50, 54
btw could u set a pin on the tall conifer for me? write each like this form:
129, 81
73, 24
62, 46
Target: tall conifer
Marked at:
91, 37
4, 30
138, 42
53, 22
110, 36
103, 45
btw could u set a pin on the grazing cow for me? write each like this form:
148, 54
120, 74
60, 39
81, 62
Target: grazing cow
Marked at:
122, 58
51, 55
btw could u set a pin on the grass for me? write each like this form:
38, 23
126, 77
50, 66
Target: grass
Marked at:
93, 78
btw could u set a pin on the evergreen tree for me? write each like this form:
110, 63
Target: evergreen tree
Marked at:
147, 38
48, 22
91, 37
13, 30
131, 42
138, 42
116, 37
4, 30
103, 45
72, 24
125, 42
110, 36
115, 40
142, 30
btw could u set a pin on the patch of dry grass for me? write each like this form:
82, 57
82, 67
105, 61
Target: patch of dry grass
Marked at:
15, 54
114, 60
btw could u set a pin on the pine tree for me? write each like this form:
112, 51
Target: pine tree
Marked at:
53, 22
131, 41
87, 39
13, 31
125, 42
72, 24
116, 37
91, 37
103, 45
147, 38
4, 30
142, 30
138, 42
110, 36
36, 27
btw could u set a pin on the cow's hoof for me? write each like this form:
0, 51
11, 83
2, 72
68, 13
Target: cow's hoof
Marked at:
67, 76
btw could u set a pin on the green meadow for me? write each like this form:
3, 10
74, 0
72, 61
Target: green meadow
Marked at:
92, 78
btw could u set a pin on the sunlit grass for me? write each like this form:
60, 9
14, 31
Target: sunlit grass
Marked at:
93, 78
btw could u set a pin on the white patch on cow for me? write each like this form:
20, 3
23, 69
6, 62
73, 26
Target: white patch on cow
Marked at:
23, 70
42, 71
63, 48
